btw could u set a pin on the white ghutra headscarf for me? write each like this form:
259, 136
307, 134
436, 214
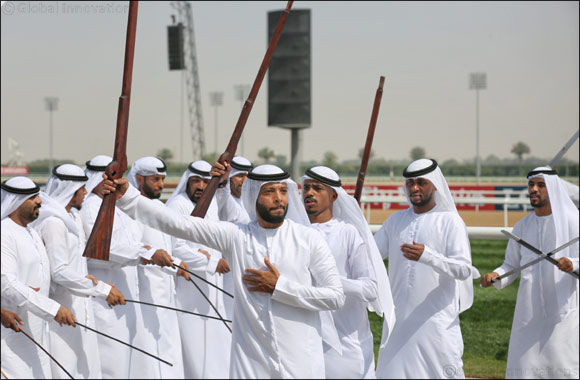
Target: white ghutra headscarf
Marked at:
199, 169
428, 169
146, 166
94, 171
264, 174
240, 165
61, 186
14, 192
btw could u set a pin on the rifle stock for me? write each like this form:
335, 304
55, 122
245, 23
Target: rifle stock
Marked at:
201, 207
99, 241
369, 143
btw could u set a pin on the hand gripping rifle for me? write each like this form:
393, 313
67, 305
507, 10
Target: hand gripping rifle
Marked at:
369, 143
100, 239
227, 156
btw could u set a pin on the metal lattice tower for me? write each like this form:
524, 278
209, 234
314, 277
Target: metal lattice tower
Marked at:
185, 15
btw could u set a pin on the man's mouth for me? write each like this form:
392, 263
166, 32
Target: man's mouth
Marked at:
309, 201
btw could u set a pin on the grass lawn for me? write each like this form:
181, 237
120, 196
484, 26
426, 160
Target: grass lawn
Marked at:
486, 325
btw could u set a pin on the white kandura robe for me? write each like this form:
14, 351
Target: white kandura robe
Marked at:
352, 322
75, 348
206, 342
544, 336
24, 266
157, 286
274, 335
122, 321
426, 340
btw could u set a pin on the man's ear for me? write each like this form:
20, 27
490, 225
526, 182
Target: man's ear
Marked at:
140, 180
334, 195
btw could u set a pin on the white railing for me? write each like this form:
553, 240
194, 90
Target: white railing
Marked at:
472, 201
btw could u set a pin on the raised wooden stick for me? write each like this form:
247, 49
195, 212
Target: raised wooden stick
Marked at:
99, 241
369, 143
201, 207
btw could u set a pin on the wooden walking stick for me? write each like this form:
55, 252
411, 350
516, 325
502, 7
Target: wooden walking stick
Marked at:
203, 204
369, 143
99, 241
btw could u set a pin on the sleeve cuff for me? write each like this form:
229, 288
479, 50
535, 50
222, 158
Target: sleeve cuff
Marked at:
281, 289
103, 289
427, 257
352, 287
212, 264
147, 254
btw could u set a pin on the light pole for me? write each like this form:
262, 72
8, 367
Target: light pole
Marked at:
242, 91
216, 99
477, 81
51, 105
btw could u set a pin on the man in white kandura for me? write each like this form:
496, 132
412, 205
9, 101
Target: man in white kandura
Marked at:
157, 284
275, 263
431, 279
204, 340
544, 337
125, 254
26, 283
338, 217
61, 230
229, 197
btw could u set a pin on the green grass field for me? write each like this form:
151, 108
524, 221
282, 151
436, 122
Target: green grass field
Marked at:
486, 325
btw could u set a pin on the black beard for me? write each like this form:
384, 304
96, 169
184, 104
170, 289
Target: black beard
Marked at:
149, 193
425, 200
265, 214
540, 203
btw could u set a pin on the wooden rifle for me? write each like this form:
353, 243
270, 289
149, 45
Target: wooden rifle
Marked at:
99, 241
203, 204
369, 143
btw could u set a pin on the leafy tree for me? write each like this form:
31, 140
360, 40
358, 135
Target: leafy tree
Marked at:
330, 160
417, 153
519, 149
165, 154
266, 154
362, 150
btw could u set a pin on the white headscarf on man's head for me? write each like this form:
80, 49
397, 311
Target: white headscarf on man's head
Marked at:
346, 209
64, 182
198, 168
264, 174
14, 192
146, 166
94, 171
240, 165
428, 169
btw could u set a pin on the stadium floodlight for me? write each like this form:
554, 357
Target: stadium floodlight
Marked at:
477, 81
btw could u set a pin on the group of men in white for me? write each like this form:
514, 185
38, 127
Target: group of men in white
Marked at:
271, 283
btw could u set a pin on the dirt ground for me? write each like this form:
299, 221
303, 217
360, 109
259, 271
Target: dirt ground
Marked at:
471, 218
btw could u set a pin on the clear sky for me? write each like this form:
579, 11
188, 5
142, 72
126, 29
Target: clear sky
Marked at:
426, 50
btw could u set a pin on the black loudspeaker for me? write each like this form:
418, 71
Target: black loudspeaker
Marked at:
175, 47
289, 104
